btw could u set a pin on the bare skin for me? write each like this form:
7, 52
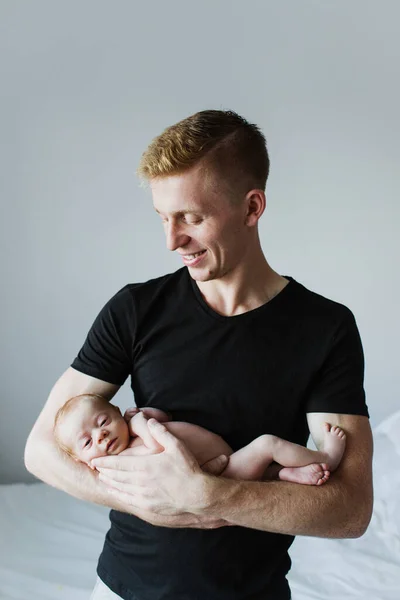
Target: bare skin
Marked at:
334, 441
93, 428
301, 465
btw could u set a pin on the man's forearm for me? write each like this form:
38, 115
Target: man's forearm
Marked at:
341, 508
48, 463
44, 460
334, 510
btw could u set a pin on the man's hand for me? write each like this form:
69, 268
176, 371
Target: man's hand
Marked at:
168, 488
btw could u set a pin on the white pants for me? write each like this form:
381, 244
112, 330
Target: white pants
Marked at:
102, 592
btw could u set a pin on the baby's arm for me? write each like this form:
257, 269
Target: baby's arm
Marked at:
204, 444
138, 426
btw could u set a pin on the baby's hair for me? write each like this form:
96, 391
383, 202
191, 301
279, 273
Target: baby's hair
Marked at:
63, 411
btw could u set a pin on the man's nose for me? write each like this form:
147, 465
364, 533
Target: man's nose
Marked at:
176, 237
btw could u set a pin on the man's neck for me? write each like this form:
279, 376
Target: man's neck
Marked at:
245, 289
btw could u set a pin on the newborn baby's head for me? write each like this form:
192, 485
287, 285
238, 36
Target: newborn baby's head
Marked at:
88, 426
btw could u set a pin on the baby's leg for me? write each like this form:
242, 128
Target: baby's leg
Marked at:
327, 459
251, 462
303, 465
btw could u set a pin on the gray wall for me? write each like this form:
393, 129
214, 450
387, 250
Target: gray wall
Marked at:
85, 85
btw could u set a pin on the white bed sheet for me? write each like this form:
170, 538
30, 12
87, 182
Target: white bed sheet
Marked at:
50, 542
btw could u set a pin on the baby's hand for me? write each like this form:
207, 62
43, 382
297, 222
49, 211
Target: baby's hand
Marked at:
149, 412
138, 427
130, 412
216, 465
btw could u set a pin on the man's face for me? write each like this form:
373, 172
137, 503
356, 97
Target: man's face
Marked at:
201, 224
94, 428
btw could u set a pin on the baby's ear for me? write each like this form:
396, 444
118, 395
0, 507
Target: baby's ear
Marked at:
82, 462
87, 464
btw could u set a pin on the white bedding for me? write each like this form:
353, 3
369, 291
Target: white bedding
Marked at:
367, 567
50, 542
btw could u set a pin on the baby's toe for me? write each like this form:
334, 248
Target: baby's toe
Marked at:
322, 480
337, 430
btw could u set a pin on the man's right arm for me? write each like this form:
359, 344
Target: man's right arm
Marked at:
46, 461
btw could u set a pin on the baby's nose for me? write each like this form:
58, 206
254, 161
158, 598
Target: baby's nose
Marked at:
103, 434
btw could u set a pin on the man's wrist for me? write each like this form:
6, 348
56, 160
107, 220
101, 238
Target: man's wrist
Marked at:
213, 495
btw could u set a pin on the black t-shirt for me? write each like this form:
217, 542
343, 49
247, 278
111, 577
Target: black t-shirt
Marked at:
240, 377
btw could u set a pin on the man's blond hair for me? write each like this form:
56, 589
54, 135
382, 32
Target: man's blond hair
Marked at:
228, 149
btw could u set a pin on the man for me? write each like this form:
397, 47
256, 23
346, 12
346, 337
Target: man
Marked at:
229, 344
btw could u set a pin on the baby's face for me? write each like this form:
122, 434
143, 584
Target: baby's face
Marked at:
94, 428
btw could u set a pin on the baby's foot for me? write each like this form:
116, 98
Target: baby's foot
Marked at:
333, 445
315, 474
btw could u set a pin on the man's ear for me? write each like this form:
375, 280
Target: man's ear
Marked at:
255, 202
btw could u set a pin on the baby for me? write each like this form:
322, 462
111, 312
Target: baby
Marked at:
88, 426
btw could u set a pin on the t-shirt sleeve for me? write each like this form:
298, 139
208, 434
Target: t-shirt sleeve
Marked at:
339, 385
107, 351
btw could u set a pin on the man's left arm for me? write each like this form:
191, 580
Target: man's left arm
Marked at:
341, 508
